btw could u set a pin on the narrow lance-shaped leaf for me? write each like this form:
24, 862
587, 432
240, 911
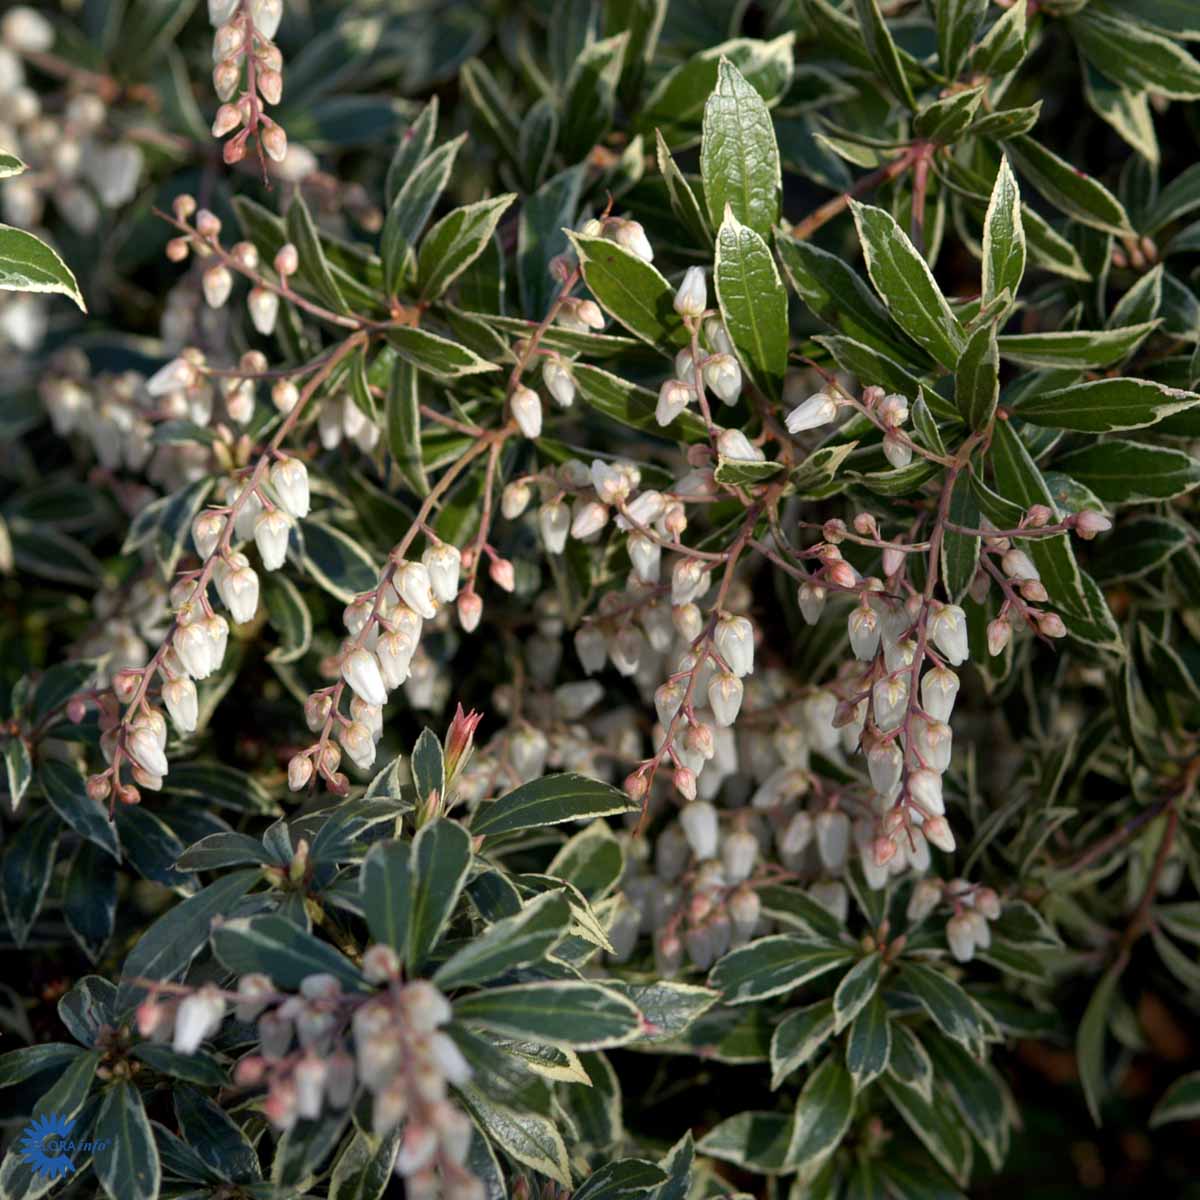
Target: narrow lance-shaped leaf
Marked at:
1003, 237
906, 285
739, 159
753, 303
882, 49
455, 242
1067, 188
977, 379
1106, 405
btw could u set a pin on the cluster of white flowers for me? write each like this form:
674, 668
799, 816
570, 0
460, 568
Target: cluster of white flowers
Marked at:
399, 1054
383, 652
72, 160
244, 39
715, 369
117, 413
967, 930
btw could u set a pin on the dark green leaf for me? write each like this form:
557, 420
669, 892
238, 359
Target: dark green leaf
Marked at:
739, 160
631, 291
1125, 472
798, 1038
129, 1166
550, 801
906, 286
869, 1046
276, 947
977, 378
65, 790
583, 1015
1106, 405
823, 1114
753, 303
1067, 188
455, 242
773, 965
441, 858
386, 889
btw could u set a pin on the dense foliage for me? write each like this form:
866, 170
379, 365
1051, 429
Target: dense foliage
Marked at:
599, 598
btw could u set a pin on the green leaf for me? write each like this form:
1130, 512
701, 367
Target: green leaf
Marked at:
1136, 548
957, 23
18, 770
385, 885
945, 1001
773, 965
934, 1123
906, 285
1128, 112
550, 801
856, 988
289, 616
1003, 47
455, 242
798, 1038
1180, 1102
1125, 472
512, 943
758, 1141
1135, 57
816, 473
128, 1167
678, 100
585, 1016
590, 95
25, 868
836, 294
27, 264
631, 291
631, 405
10, 165
215, 1137
1073, 348
910, 1063
881, 48
195, 1068
411, 209
791, 907
948, 119
960, 551
438, 356
428, 765
823, 1113
977, 378
542, 233
18, 1065
869, 1046
668, 1009
622, 1180
364, 1168
979, 1095
1176, 200
753, 303
537, 141
531, 1139
1089, 1041
683, 200
1003, 237
404, 424
1019, 480
1105, 405
741, 472
314, 267
739, 160
415, 143
66, 792
278, 948
336, 561
441, 858
1067, 188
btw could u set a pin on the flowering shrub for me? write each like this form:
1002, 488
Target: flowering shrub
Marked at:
585, 555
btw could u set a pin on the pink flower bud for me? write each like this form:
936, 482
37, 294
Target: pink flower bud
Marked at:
1051, 625
470, 610
287, 261
502, 574
1089, 522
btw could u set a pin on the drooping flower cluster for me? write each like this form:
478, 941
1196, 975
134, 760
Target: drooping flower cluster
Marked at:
322, 1047
244, 41
75, 160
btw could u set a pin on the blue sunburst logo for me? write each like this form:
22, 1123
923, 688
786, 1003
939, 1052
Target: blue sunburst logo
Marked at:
42, 1145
